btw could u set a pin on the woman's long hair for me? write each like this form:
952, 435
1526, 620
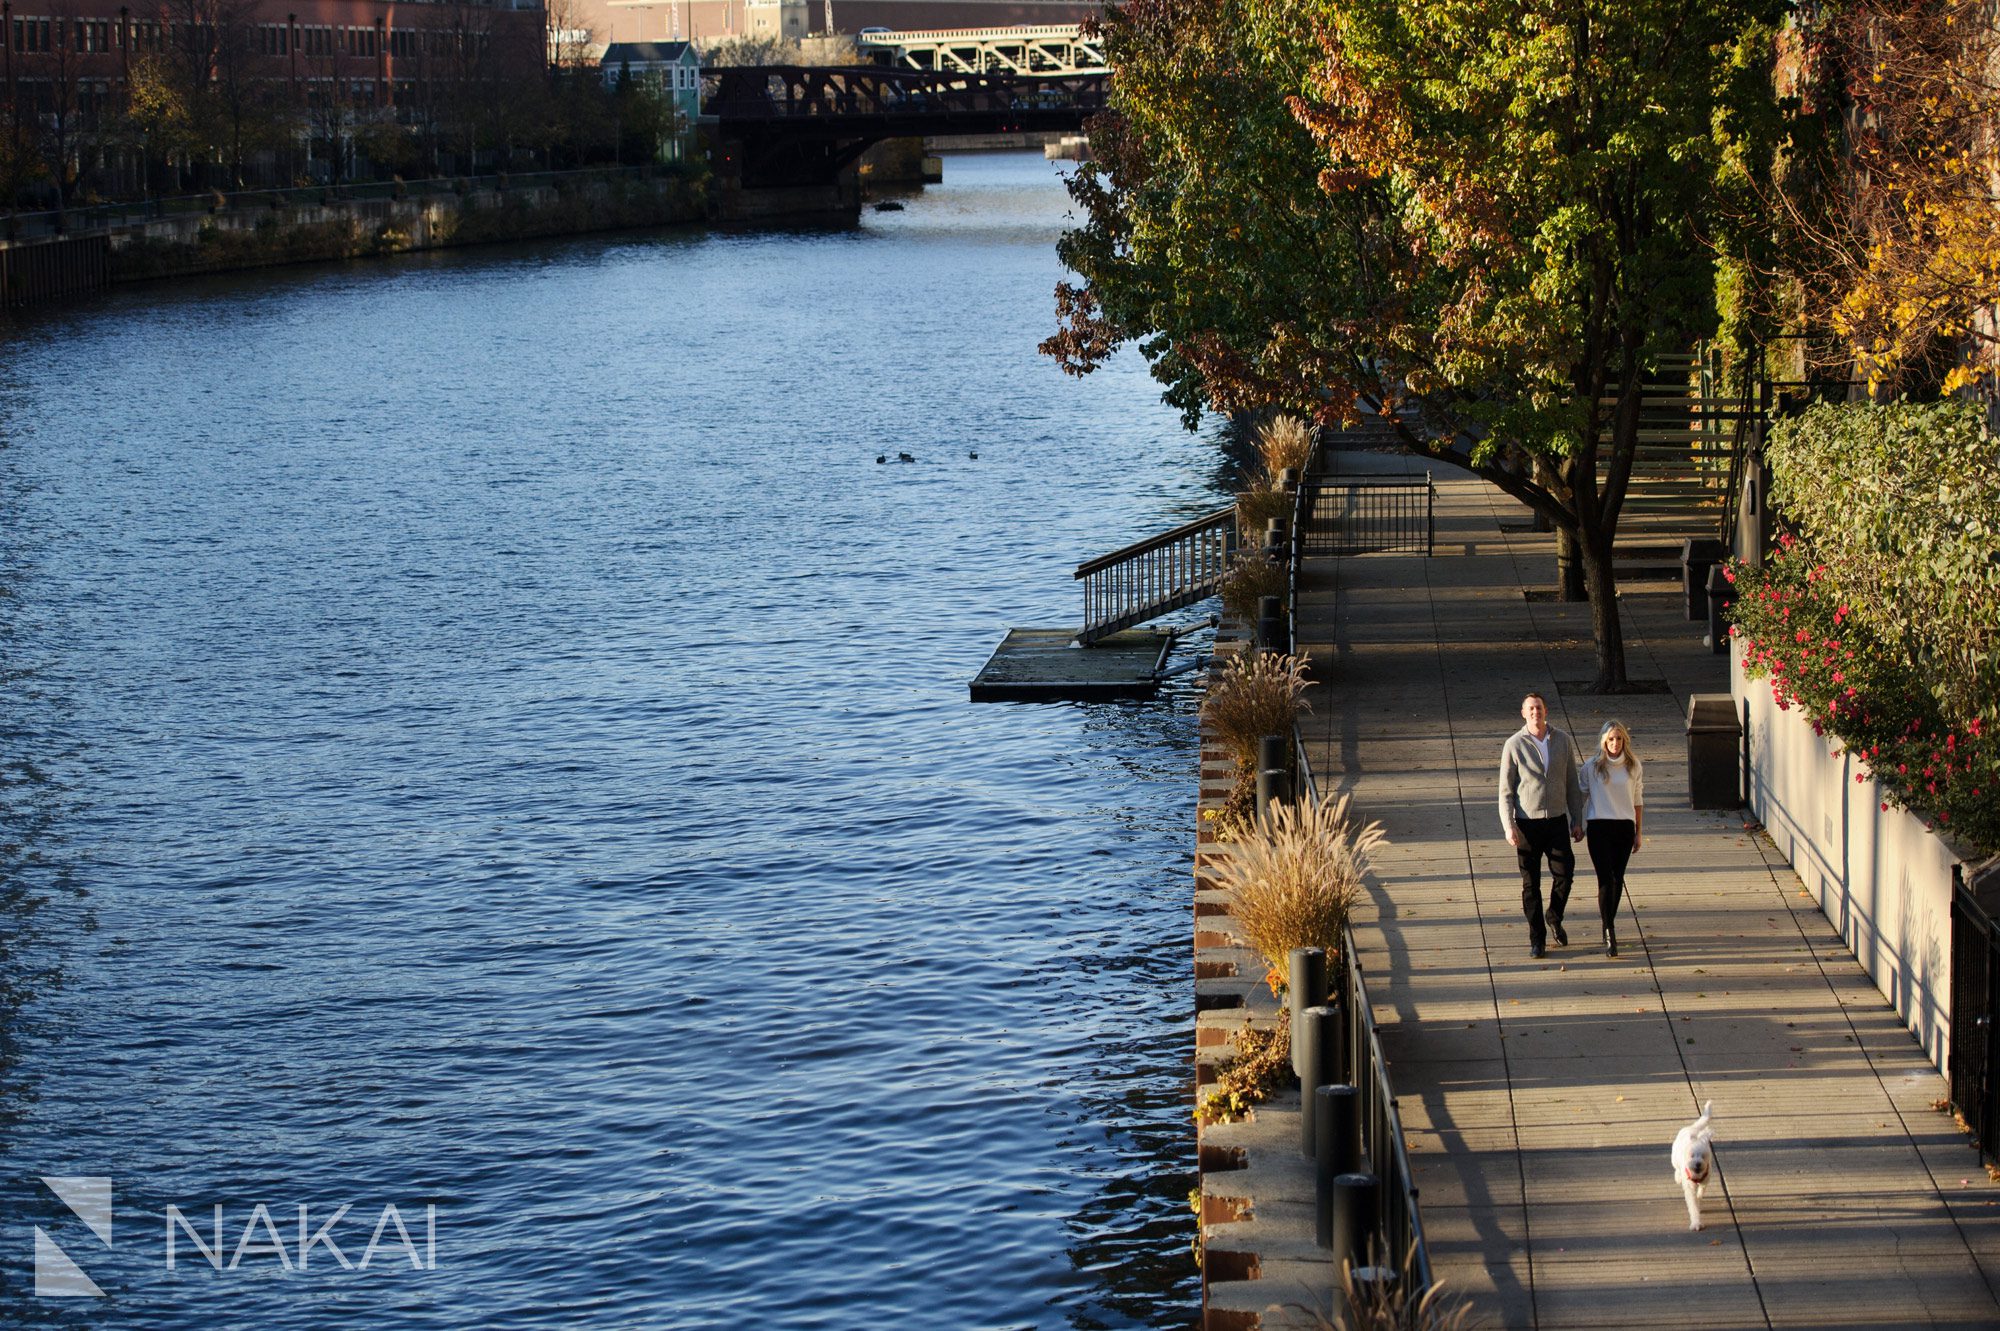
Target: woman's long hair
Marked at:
1630, 762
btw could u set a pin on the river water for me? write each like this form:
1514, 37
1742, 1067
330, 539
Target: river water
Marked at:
485, 737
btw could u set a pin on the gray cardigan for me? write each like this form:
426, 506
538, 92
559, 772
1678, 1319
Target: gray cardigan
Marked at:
1527, 791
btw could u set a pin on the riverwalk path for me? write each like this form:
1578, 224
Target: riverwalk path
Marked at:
1540, 1097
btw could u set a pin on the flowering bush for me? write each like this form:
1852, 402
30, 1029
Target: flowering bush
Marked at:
1876, 620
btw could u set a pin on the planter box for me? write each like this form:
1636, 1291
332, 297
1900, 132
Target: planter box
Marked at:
1881, 877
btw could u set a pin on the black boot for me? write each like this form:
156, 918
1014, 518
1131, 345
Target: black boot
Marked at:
1561, 935
1610, 940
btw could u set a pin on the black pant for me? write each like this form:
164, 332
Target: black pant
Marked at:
1610, 841
1539, 837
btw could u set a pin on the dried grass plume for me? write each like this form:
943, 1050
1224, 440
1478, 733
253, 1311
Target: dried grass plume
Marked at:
1292, 880
1257, 694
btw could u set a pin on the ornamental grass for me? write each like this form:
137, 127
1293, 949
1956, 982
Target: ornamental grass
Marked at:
1293, 878
1257, 694
1372, 1307
1256, 507
1250, 577
1284, 441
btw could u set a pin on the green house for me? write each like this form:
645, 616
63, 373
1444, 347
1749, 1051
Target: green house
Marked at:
670, 70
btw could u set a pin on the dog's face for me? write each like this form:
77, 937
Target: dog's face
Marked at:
1696, 1169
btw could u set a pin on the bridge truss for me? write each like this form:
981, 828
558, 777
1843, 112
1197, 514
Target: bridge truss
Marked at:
1048, 49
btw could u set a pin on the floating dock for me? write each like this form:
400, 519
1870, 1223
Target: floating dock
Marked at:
1046, 665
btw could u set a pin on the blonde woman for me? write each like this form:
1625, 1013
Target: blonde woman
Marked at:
1614, 795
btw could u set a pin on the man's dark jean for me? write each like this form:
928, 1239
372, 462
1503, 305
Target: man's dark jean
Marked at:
1539, 837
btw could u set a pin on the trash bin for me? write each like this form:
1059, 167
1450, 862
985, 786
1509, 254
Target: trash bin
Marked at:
1714, 738
1721, 595
1699, 554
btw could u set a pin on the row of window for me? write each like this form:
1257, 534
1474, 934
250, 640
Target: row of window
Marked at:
41, 35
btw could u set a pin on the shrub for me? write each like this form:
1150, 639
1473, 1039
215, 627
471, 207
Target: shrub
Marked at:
1262, 1065
1284, 441
1250, 577
1257, 694
1292, 881
1881, 618
1255, 508
1372, 1308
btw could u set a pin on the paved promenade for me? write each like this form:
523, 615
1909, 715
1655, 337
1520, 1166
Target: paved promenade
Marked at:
1540, 1097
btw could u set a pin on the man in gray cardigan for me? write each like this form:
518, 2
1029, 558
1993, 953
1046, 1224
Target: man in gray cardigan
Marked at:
1541, 813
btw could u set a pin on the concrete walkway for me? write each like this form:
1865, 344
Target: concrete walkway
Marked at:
1541, 1097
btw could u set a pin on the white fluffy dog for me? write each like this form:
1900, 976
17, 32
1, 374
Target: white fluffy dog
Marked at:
1692, 1158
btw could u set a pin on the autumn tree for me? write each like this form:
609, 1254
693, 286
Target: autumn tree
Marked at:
1483, 220
1895, 234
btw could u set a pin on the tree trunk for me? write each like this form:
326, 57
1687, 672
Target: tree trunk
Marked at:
1604, 623
1571, 582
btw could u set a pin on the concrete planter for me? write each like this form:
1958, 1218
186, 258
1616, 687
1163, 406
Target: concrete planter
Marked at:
1881, 877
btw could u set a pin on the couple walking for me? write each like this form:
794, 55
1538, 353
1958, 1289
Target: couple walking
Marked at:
1547, 801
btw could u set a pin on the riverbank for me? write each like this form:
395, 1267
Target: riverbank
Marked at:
108, 246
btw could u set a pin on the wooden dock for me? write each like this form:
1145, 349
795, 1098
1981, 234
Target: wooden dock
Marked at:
1045, 665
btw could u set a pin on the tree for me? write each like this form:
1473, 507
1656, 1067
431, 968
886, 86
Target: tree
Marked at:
1483, 220
1896, 237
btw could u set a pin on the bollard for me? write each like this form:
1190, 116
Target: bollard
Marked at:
1288, 479
1277, 537
1274, 751
1369, 1287
1313, 1072
1353, 1216
1305, 987
1273, 785
1270, 624
1337, 1110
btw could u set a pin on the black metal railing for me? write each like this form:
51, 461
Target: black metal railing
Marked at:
1975, 977
1398, 1224
1156, 576
1363, 515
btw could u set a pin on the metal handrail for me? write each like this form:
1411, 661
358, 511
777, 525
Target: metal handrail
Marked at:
1398, 1219
1160, 574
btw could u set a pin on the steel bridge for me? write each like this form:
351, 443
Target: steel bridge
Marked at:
786, 127
1046, 49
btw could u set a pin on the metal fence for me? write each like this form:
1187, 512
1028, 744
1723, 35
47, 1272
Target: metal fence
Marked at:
1397, 1221
1975, 975
1361, 515
1157, 575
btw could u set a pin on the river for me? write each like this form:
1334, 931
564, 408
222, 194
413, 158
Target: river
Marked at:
486, 743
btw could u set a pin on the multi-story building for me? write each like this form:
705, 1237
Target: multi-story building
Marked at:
72, 67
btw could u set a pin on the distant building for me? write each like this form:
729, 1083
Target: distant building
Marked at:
672, 70
707, 22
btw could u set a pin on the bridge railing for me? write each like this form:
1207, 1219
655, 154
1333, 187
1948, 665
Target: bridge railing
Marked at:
777, 92
1156, 576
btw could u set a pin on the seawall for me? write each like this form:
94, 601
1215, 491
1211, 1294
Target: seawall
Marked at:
266, 230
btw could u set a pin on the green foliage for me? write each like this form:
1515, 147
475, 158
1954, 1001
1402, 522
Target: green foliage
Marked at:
1483, 220
1881, 618
1915, 551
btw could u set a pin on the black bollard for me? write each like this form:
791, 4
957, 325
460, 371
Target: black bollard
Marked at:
1353, 1216
1270, 624
1274, 775
1274, 751
1369, 1287
1313, 1072
1336, 1138
1288, 479
1306, 987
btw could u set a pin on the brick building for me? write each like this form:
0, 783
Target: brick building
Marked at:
301, 69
